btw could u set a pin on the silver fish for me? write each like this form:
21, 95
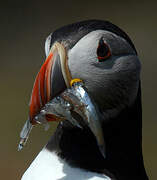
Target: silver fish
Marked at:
88, 110
74, 99
25, 134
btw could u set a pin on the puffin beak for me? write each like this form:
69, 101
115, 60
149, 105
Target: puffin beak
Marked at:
52, 79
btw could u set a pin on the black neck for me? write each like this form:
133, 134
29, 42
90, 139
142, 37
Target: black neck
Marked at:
123, 138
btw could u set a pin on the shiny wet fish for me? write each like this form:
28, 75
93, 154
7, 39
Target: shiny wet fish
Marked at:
76, 99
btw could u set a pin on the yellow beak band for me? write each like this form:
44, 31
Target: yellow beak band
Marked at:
74, 81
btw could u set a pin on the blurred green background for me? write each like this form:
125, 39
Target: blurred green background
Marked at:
24, 27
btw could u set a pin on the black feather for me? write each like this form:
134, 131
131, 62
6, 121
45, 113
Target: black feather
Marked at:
72, 33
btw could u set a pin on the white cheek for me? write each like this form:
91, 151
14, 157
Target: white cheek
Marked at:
86, 47
83, 55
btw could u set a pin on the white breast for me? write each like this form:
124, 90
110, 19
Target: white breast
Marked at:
47, 166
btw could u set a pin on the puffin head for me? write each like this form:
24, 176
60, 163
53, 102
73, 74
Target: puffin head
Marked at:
105, 59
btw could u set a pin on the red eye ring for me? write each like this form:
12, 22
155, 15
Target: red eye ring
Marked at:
103, 51
105, 57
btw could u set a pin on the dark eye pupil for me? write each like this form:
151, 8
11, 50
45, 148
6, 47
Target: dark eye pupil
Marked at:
103, 50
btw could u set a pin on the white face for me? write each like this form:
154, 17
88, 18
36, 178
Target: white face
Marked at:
114, 82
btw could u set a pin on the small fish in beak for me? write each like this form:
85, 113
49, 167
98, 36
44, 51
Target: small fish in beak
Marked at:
47, 105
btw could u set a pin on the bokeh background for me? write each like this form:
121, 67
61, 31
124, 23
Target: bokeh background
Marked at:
24, 27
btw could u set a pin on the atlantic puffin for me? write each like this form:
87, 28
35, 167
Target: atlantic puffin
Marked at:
105, 59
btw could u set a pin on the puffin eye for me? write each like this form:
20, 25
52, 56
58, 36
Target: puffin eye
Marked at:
103, 51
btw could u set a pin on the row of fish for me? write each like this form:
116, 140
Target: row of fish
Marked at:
75, 99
